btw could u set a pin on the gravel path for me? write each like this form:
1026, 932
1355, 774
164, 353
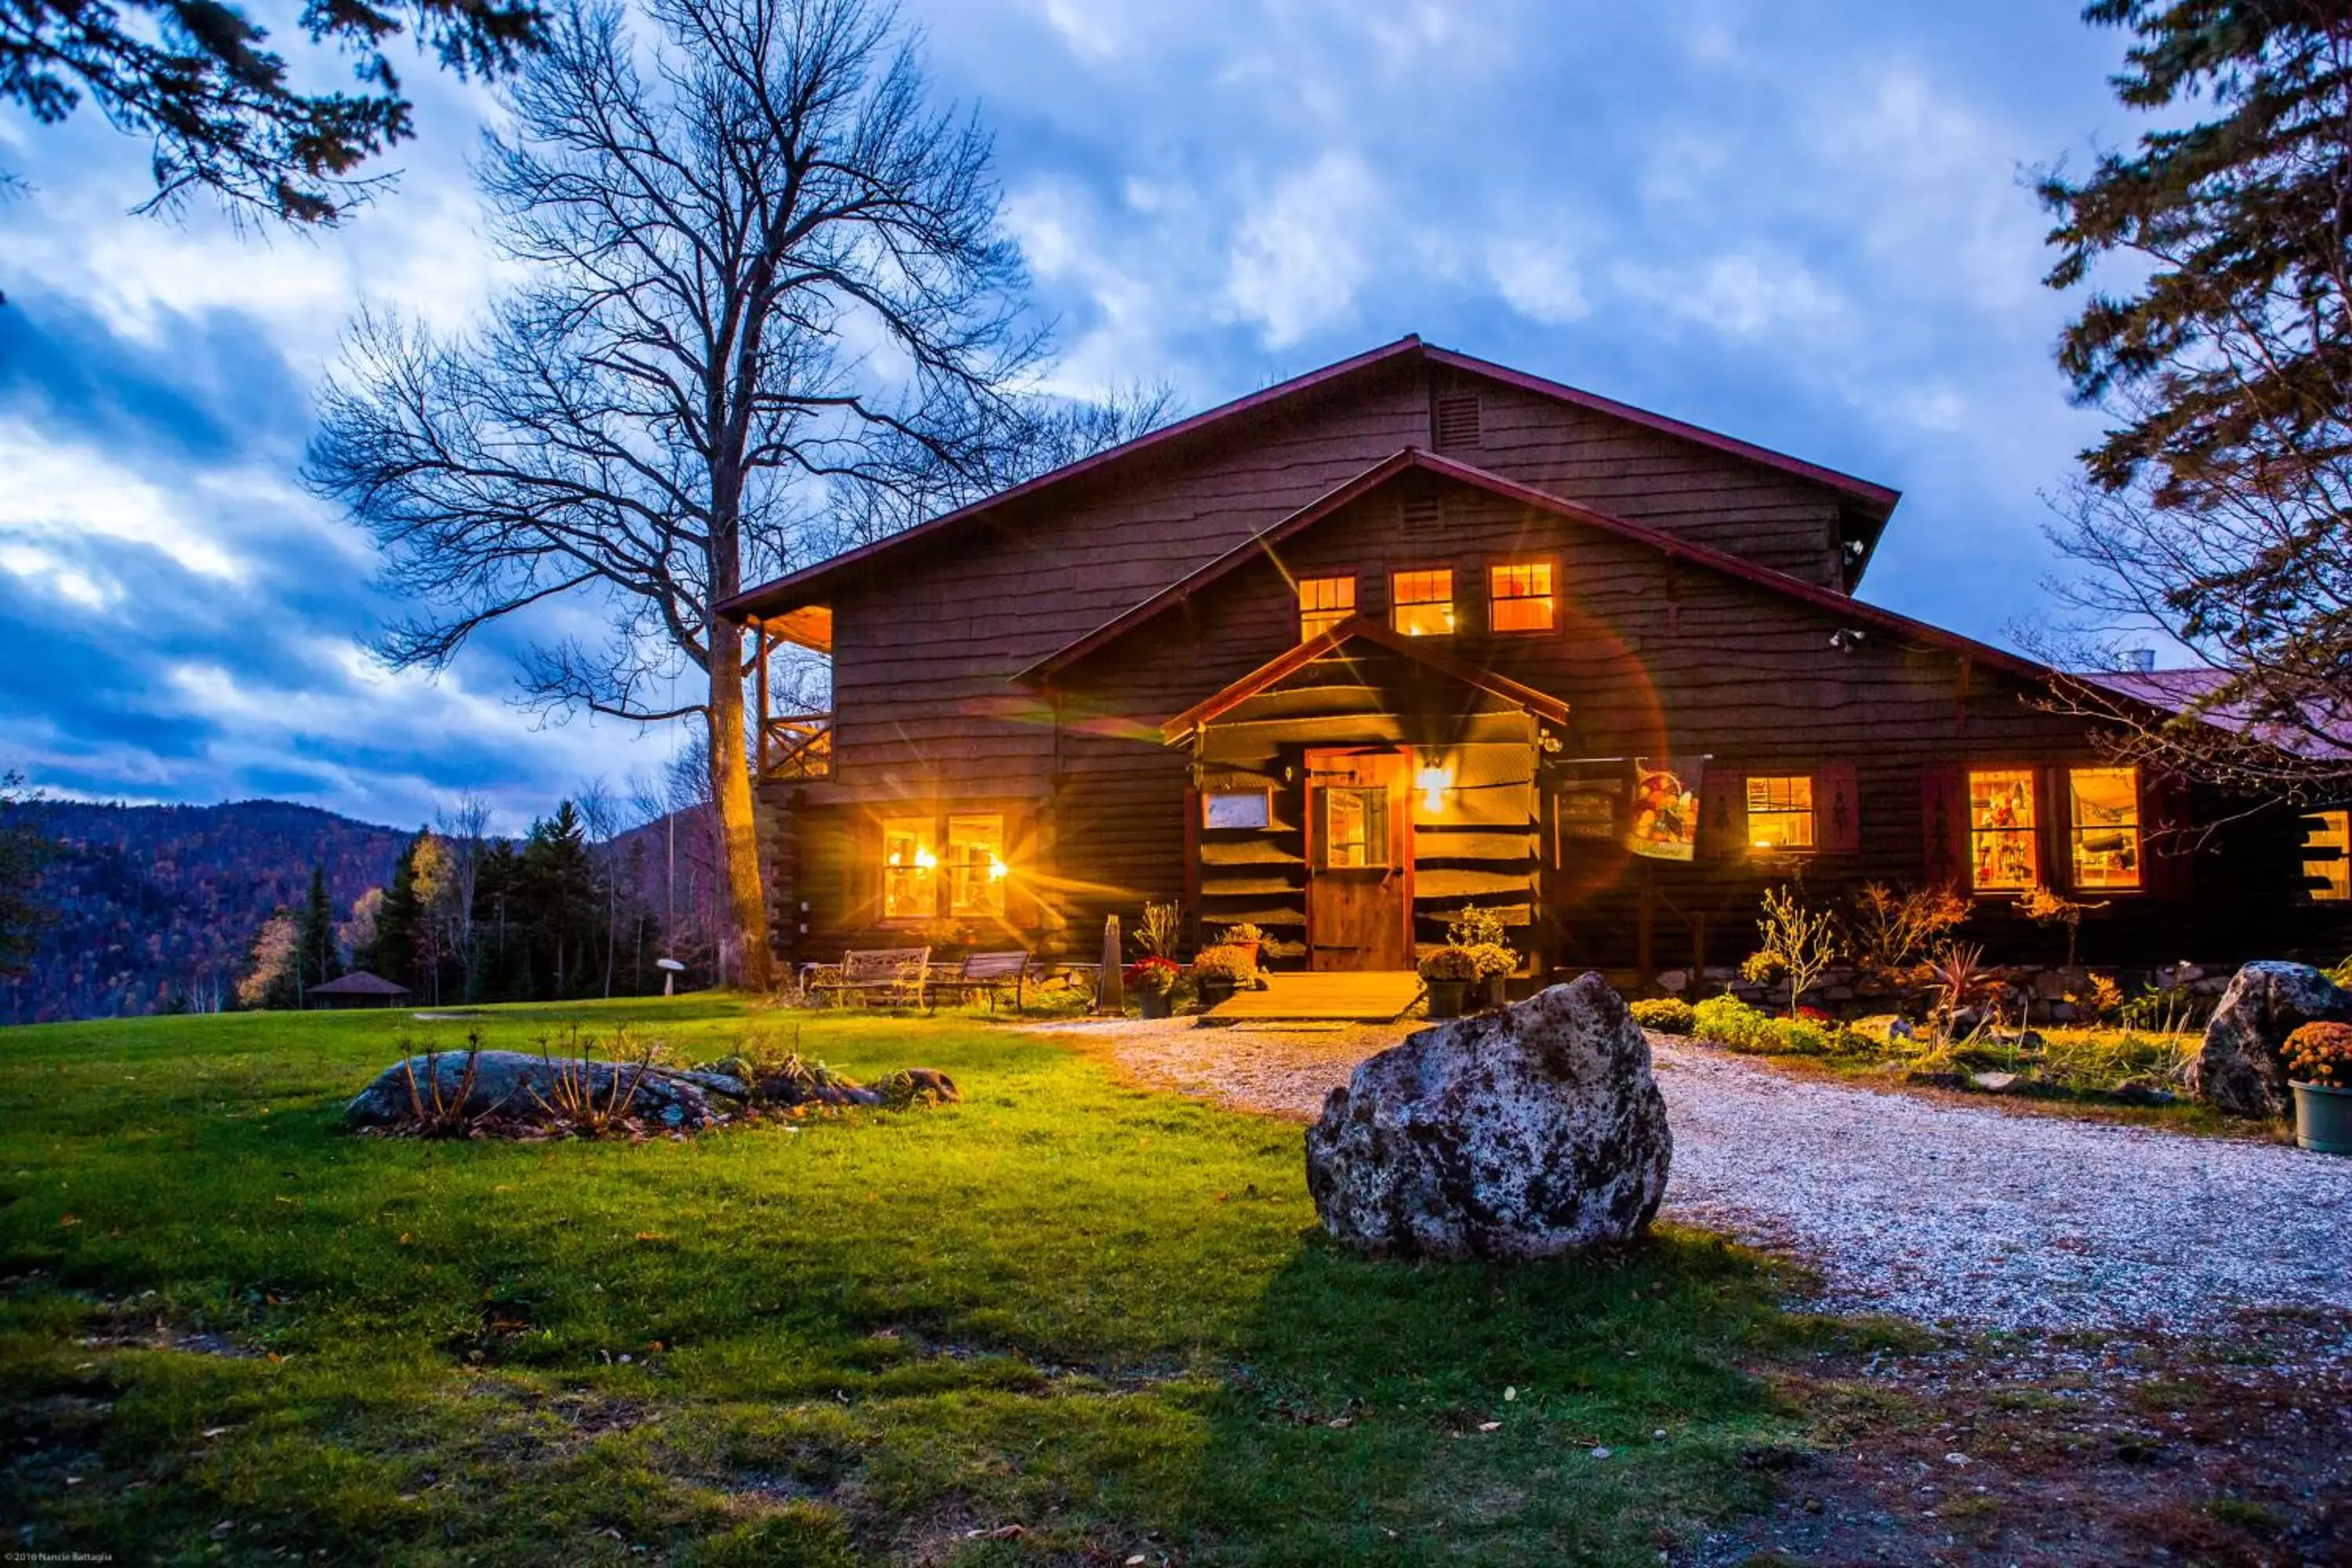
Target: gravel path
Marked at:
1939, 1213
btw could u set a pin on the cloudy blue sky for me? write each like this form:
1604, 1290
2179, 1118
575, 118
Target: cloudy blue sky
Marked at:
1799, 221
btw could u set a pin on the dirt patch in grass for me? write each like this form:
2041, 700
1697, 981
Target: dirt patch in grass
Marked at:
2236, 1450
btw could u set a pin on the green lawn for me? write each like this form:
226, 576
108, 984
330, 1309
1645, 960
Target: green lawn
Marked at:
1064, 1321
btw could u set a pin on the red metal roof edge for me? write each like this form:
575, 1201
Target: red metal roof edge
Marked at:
1861, 489
1299, 654
765, 597
1412, 456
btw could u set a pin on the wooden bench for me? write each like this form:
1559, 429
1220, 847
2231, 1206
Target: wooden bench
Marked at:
895, 975
989, 971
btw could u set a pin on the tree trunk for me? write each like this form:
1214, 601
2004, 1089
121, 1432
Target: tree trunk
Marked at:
730, 797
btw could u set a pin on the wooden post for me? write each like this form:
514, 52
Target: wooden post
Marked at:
1111, 992
760, 665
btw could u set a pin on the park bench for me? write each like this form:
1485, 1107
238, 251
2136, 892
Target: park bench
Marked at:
987, 972
893, 974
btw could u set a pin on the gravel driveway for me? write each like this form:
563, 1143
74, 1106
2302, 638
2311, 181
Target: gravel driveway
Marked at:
1939, 1213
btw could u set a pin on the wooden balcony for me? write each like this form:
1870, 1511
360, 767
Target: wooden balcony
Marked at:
795, 747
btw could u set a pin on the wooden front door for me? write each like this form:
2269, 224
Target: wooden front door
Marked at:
1360, 860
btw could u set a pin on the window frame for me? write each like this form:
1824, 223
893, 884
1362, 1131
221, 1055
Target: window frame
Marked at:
1550, 563
1264, 796
2036, 833
2336, 874
1453, 600
935, 820
2074, 830
1811, 811
1298, 600
925, 825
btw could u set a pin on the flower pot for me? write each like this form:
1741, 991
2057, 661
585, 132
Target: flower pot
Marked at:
1446, 997
1491, 992
1153, 1004
2322, 1117
1215, 990
1249, 947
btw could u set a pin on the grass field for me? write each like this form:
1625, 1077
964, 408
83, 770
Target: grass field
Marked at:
1064, 1321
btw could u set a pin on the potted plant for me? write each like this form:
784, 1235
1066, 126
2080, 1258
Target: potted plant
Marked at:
2319, 1070
1246, 937
1481, 932
1152, 980
1496, 964
1217, 970
1445, 974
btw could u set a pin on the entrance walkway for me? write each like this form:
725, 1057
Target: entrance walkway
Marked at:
1373, 997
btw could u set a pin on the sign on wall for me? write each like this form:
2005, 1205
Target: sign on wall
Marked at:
1664, 825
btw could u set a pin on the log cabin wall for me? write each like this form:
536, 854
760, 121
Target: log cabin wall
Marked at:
1657, 660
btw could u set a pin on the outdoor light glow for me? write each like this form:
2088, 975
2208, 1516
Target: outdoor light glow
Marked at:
1433, 783
925, 858
996, 870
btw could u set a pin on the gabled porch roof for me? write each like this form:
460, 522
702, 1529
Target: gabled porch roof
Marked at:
1357, 628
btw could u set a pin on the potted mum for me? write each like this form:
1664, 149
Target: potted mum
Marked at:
1445, 974
1495, 964
1152, 980
1481, 932
1218, 971
1246, 937
2319, 1070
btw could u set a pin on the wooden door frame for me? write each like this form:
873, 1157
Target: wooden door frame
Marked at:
1400, 834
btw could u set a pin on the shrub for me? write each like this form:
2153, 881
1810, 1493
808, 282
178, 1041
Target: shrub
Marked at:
1450, 963
1795, 939
1891, 929
1233, 963
2099, 1001
1475, 927
1154, 974
1667, 1015
2321, 1054
2167, 1012
1493, 960
1728, 1021
1796, 1036
1160, 929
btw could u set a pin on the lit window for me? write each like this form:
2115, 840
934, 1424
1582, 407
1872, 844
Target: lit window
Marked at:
1422, 603
1355, 827
908, 862
1521, 597
976, 869
1237, 808
2330, 871
1781, 812
1323, 603
2000, 830
2103, 812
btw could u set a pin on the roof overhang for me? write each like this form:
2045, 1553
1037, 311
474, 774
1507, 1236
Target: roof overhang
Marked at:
1355, 628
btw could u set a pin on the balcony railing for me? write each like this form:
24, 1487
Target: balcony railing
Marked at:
795, 747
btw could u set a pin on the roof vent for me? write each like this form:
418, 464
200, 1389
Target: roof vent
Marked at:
1425, 514
1455, 418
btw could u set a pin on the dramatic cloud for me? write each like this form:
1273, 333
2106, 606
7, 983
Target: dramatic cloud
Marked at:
1801, 222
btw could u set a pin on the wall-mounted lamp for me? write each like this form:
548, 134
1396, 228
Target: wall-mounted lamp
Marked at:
1433, 783
996, 870
924, 858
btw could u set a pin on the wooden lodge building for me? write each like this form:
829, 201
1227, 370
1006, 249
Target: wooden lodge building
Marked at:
1416, 631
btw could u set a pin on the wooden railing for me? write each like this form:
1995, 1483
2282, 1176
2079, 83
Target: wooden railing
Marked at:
795, 746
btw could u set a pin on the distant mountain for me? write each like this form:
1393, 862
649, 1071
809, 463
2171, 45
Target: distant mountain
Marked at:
157, 905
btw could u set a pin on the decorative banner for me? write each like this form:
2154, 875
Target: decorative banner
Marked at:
1665, 808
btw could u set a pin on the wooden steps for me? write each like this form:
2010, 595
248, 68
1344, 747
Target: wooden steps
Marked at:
1372, 997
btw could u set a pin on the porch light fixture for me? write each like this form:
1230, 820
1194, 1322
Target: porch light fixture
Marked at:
924, 858
1433, 783
996, 870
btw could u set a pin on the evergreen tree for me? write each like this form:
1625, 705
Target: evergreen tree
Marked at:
24, 850
558, 882
316, 959
400, 922
502, 965
2214, 508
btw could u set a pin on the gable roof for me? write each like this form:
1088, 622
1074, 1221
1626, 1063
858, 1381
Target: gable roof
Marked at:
808, 584
358, 982
1353, 629
1413, 457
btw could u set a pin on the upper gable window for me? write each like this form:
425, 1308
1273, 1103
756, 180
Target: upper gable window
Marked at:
1520, 597
1323, 603
1421, 604
1455, 418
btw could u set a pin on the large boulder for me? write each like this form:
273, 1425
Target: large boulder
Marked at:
2240, 1070
1526, 1133
532, 1089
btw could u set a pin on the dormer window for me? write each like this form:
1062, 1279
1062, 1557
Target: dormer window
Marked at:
1421, 604
1323, 603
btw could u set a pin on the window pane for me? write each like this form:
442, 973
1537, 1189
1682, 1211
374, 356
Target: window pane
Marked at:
976, 869
1323, 603
1235, 808
2000, 830
2105, 811
1781, 812
908, 863
1521, 597
1355, 827
2330, 871
1423, 602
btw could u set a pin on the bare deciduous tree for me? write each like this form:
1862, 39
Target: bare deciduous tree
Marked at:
767, 294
